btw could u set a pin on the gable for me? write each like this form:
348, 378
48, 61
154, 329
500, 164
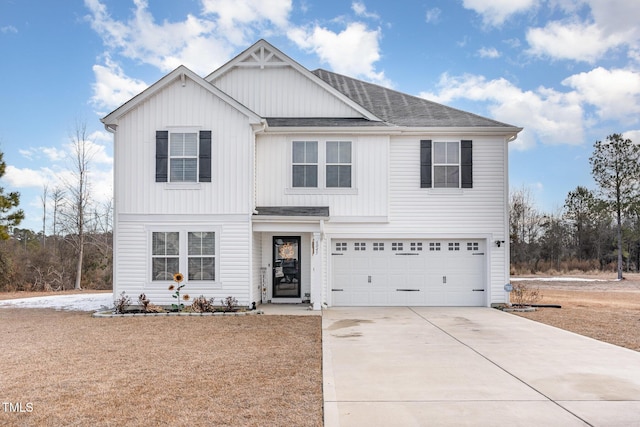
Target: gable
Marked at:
273, 85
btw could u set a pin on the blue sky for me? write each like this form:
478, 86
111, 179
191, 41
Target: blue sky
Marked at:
568, 71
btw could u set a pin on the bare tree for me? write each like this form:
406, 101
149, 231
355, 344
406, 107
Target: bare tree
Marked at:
78, 191
43, 198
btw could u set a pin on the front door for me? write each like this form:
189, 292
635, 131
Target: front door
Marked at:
286, 267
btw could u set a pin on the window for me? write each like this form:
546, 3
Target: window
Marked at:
396, 246
202, 250
338, 164
341, 247
305, 164
416, 246
434, 246
165, 261
183, 156
378, 246
360, 246
473, 246
454, 246
447, 164
190, 252
321, 165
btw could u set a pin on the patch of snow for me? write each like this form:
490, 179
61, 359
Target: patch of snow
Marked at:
74, 302
557, 279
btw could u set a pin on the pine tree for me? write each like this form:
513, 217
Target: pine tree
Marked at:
9, 217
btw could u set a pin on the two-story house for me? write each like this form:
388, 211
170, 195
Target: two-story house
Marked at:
269, 182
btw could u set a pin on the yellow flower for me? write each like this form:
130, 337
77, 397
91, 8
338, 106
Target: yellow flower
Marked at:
178, 277
186, 297
171, 287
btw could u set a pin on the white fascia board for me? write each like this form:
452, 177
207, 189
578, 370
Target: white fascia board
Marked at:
111, 120
509, 132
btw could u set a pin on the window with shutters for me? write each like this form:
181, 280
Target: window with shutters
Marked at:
183, 156
446, 164
191, 252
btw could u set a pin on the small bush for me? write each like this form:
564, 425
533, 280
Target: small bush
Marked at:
522, 295
120, 304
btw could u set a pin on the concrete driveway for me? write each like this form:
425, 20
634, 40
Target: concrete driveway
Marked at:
430, 366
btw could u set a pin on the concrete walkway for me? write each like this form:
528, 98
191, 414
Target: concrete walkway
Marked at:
470, 367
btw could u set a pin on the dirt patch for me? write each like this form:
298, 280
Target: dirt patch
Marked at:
74, 369
607, 310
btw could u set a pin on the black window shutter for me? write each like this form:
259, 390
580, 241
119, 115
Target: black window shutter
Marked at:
425, 163
205, 156
466, 164
162, 155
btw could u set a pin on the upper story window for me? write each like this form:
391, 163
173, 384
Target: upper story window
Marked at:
446, 164
183, 156
338, 164
321, 164
305, 164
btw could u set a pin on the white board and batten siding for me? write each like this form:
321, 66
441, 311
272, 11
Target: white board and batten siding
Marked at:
144, 205
194, 108
367, 199
133, 258
281, 92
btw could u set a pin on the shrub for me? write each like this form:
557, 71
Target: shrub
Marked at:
120, 304
522, 295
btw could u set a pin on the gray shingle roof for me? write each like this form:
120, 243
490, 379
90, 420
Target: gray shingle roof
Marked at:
320, 121
401, 109
320, 211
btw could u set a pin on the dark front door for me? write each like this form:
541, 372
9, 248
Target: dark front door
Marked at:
286, 267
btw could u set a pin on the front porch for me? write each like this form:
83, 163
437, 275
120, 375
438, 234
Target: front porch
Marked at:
290, 254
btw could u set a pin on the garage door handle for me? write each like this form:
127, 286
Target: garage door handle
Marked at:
406, 253
479, 253
408, 290
478, 290
337, 253
337, 290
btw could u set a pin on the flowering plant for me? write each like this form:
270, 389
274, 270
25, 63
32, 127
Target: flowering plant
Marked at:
178, 278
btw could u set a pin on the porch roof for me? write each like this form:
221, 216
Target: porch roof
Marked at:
292, 211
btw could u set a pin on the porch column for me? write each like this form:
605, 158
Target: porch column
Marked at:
316, 272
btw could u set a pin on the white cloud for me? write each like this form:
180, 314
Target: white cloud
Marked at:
112, 87
433, 15
495, 12
360, 9
164, 45
488, 52
548, 116
633, 135
25, 177
352, 52
615, 93
572, 40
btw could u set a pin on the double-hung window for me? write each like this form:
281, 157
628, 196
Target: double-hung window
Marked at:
202, 251
446, 164
192, 253
183, 157
338, 164
165, 255
305, 164
321, 165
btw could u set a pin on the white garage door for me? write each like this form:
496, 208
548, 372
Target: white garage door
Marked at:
408, 272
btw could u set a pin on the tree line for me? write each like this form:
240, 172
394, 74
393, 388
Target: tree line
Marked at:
595, 229
73, 250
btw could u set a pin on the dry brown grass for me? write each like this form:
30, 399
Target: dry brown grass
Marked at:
76, 370
607, 311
